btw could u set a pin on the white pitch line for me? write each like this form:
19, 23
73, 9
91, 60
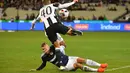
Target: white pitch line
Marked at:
113, 69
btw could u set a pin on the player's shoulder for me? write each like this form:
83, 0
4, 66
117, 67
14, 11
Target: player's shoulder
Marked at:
43, 55
52, 48
41, 8
45, 6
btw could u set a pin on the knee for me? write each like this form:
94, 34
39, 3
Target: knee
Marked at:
70, 30
75, 65
63, 43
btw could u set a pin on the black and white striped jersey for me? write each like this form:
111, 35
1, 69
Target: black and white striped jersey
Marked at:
52, 58
48, 13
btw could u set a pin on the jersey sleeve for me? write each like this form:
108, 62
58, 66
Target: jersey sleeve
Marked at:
36, 19
52, 48
65, 5
43, 63
41, 66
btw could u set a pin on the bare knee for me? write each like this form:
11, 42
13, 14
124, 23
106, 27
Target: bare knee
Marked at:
63, 43
56, 44
75, 65
81, 60
78, 65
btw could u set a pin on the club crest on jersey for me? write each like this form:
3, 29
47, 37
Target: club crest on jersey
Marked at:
51, 53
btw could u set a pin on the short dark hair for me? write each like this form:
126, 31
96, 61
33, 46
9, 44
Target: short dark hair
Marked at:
43, 44
53, 1
45, 2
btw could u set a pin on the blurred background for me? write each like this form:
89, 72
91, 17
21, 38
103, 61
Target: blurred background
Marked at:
95, 10
83, 10
108, 41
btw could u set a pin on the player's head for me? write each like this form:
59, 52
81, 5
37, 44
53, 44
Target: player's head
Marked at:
46, 2
53, 1
45, 47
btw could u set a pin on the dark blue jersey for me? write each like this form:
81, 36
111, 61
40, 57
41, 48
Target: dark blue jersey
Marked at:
52, 58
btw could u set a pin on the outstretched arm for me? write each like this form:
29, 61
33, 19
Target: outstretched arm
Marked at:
66, 4
40, 67
34, 21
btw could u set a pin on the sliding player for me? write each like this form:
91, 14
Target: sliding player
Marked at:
70, 62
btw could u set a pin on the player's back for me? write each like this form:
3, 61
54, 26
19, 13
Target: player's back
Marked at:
48, 11
48, 14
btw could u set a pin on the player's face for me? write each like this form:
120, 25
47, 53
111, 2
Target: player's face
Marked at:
49, 2
46, 48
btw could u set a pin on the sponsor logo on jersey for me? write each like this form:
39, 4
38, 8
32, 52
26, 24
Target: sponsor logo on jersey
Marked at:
110, 27
127, 27
81, 26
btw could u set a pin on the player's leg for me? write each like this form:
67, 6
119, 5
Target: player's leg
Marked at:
53, 38
62, 43
74, 32
91, 62
60, 39
62, 49
58, 54
87, 68
68, 30
58, 48
73, 65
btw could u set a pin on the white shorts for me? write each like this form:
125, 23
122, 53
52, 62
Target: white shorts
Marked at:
70, 65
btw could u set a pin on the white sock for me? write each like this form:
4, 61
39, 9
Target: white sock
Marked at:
86, 68
62, 49
92, 63
57, 49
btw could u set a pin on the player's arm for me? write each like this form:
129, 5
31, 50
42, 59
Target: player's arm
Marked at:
66, 4
34, 21
40, 67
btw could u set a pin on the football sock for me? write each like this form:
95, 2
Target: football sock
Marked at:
92, 63
62, 49
73, 33
76, 32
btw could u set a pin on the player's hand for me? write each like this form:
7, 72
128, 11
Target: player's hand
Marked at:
31, 28
33, 70
75, 0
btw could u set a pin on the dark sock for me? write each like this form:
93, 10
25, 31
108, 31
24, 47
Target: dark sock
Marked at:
75, 32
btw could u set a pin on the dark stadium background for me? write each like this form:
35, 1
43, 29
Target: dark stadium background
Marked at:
20, 50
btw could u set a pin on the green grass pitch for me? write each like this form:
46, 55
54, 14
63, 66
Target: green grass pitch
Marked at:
20, 51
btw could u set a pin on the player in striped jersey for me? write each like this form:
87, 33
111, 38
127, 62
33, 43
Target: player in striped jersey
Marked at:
71, 63
51, 21
53, 24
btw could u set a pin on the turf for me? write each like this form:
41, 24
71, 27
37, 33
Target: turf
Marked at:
20, 51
